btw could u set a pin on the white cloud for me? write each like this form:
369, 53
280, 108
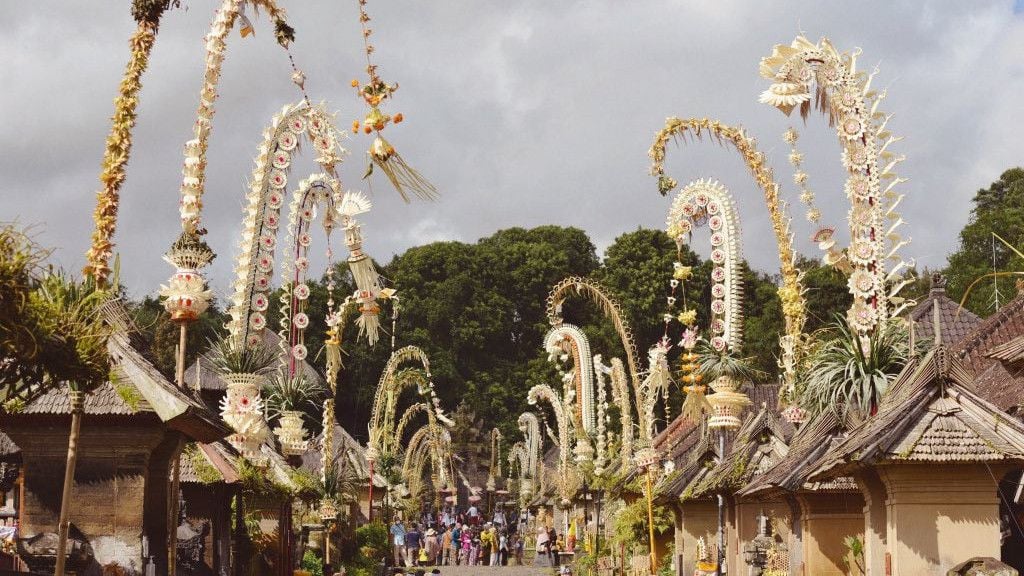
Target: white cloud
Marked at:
522, 113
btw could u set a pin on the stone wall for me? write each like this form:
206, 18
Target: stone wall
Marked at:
109, 490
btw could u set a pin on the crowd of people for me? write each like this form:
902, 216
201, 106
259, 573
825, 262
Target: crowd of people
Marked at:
467, 538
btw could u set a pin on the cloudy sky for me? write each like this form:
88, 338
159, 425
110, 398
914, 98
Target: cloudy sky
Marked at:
522, 113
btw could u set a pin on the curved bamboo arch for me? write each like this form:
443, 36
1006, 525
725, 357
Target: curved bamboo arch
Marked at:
318, 189
390, 387
495, 464
576, 285
529, 425
193, 181
622, 398
562, 419
262, 215
407, 416
417, 455
845, 96
569, 339
791, 292
710, 202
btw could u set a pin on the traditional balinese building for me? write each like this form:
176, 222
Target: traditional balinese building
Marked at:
822, 514
826, 513
133, 428
929, 465
210, 487
700, 474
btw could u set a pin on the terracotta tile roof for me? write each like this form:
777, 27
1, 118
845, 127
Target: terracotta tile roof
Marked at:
990, 353
956, 322
934, 417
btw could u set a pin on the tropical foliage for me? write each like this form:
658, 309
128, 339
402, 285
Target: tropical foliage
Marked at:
998, 209
227, 357
52, 328
846, 373
295, 392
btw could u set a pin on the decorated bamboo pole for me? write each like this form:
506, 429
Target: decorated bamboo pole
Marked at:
650, 519
147, 14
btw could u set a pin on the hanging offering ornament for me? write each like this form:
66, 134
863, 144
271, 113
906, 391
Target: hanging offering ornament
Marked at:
186, 296
845, 95
382, 154
368, 282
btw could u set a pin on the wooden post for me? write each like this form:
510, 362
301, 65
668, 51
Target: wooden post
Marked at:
64, 522
650, 519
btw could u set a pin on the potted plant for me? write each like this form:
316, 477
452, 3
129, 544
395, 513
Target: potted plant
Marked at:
286, 396
245, 368
726, 372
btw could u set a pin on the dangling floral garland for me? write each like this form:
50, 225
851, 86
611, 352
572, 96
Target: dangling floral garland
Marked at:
382, 154
845, 95
823, 235
147, 15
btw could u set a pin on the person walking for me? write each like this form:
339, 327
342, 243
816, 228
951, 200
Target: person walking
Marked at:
474, 550
543, 556
446, 547
413, 543
552, 546
467, 544
433, 545
398, 541
502, 548
487, 544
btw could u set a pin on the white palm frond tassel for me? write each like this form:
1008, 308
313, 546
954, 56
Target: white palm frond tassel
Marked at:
364, 272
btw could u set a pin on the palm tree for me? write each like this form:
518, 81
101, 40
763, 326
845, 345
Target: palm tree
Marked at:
75, 354
147, 14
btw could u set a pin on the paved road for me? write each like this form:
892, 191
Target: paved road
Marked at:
496, 571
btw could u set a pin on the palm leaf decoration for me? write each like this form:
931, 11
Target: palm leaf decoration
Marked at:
293, 392
229, 357
849, 374
713, 365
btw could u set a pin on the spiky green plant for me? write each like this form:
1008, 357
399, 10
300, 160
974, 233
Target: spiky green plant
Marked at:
844, 372
296, 392
713, 365
338, 480
74, 334
228, 357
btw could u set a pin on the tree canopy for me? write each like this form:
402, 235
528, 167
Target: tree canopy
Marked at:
998, 209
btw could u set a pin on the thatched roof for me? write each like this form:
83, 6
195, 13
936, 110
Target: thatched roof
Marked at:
203, 463
136, 389
932, 416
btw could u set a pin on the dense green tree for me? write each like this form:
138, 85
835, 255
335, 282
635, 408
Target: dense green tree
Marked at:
158, 336
997, 209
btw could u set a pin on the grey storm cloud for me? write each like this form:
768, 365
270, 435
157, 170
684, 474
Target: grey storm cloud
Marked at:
522, 113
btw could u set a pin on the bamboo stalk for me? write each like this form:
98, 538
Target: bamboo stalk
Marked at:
63, 523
